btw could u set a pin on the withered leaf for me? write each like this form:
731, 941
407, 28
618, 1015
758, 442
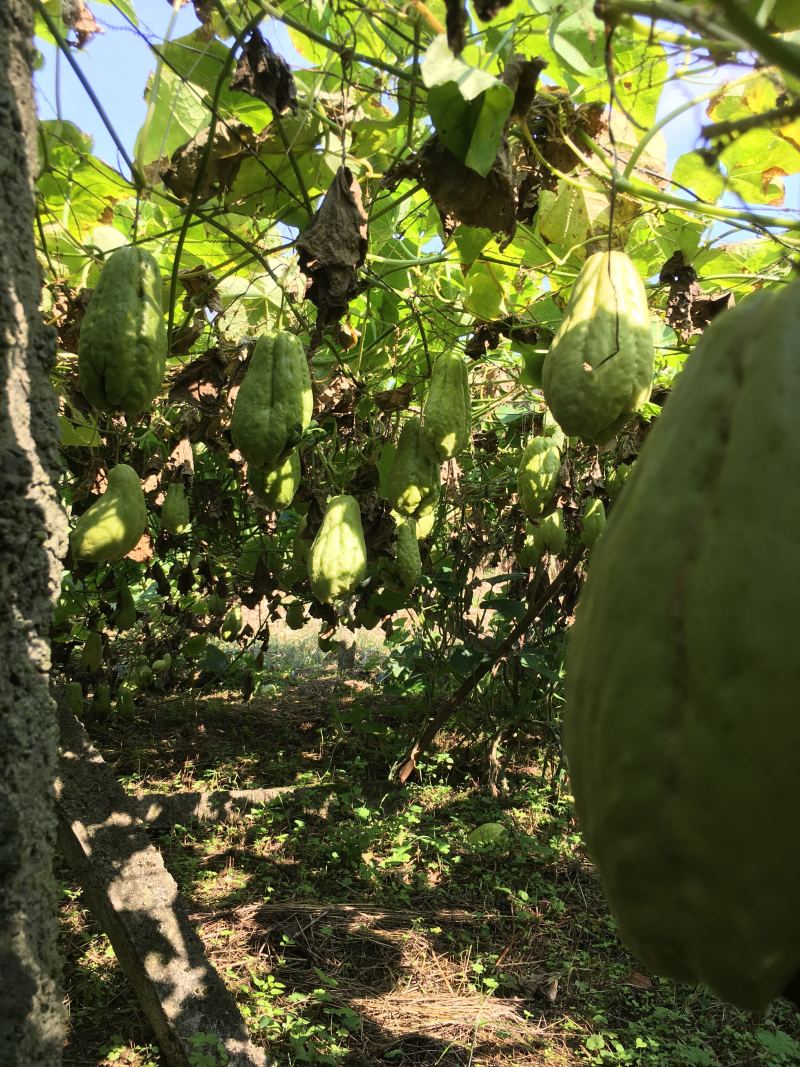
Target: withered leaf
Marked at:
689, 309
187, 334
339, 395
456, 24
200, 384
394, 399
262, 73
333, 247
230, 146
461, 194
521, 75
200, 283
77, 16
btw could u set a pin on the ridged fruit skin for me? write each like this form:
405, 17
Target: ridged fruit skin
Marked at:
92, 654
530, 553
414, 480
406, 550
101, 704
275, 401
599, 369
537, 478
338, 558
275, 489
425, 522
125, 615
682, 729
161, 666
73, 697
114, 523
175, 510
122, 349
593, 520
447, 412
551, 533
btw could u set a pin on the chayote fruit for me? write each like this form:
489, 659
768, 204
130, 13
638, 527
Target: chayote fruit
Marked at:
101, 703
599, 369
125, 615
275, 402
530, 553
92, 654
122, 350
682, 729
407, 557
338, 558
73, 697
414, 480
161, 666
537, 478
175, 510
446, 414
275, 488
593, 521
551, 533
115, 522
616, 479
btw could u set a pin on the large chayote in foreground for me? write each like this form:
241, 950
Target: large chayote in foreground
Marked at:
447, 412
682, 726
275, 401
338, 558
599, 368
114, 523
122, 350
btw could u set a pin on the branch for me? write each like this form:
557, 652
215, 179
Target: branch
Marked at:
456, 699
776, 117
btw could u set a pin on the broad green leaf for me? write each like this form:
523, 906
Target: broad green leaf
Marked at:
78, 434
471, 241
564, 216
469, 107
692, 172
484, 292
577, 36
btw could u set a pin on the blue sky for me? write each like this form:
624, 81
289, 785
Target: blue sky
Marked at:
117, 64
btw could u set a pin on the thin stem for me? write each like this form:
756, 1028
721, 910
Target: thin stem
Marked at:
135, 175
644, 191
339, 49
665, 121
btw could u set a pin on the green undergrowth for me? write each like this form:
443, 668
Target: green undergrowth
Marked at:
360, 922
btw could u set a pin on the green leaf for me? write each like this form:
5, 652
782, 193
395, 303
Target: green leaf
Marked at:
469, 107
563, 216
78, 434
692, 172
471, 240
577, 36
483, 297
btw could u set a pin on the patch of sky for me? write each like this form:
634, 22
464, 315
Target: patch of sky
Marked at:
117, 64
